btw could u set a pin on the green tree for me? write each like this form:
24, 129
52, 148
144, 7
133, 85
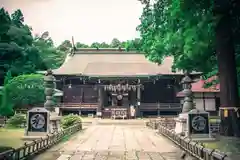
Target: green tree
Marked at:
104, 45
81, 45
133, 44
65, 46
95, 45
51, 56
17, 52
198, 35
24, 91
115, 43
6, 107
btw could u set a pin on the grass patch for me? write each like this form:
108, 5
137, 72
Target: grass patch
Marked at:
225, 144
11, 137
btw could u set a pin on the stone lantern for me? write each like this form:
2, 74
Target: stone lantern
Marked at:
181, 121
192, 122
188, 104
50, 86
42, 121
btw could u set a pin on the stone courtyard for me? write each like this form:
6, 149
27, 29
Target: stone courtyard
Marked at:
119, 140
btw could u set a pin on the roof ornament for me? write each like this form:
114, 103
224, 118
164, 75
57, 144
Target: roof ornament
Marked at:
73, 47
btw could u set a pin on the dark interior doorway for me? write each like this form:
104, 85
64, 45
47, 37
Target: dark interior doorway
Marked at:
155, 113
86, 113
69, 112
120, 102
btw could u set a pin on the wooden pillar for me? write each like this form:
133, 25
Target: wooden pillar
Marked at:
158, 110
138, 101
60, 112
100, 101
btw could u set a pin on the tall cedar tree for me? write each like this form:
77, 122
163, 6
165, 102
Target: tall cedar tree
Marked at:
198, 34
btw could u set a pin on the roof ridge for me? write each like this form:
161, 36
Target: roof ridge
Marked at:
106, 51
121, 62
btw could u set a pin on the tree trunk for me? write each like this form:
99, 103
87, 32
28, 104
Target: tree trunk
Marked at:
228, 76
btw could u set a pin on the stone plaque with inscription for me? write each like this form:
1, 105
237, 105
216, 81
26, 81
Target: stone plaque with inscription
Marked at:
198, 123
38, 121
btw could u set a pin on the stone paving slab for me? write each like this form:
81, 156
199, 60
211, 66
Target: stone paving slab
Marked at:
109, 155
119, 142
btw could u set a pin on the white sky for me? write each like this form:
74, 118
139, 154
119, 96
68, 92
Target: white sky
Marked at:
87, 20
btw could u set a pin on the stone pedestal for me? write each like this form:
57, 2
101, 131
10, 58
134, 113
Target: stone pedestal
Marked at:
55, 125
99, 114
181, 124
194, 125
48, 123
38, 120
199, 126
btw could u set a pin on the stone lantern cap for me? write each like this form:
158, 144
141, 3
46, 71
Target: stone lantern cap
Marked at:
186, 78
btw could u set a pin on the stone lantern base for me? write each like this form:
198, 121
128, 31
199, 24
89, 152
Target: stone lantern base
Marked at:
54, 125
181, 124
185, 127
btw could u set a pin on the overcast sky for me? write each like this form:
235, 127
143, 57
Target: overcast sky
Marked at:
87, 20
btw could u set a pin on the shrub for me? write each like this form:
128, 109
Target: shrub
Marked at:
25, 90
18, 120
70, 120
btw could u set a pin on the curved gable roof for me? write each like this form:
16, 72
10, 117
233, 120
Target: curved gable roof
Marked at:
113, 62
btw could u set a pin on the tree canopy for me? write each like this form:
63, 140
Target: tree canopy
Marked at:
20, 51
25, 90
185, 30
201, 36
176, 28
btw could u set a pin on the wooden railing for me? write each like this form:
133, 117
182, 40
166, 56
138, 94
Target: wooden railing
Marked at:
192, 148
83, 105
29, 150
160, 106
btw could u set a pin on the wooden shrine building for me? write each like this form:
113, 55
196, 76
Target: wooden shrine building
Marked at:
117, 83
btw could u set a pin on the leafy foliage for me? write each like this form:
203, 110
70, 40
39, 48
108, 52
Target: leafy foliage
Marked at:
18, 120
70, 120
22, 53
17, 52
6, 107
51, 56
25, 90
198, 34
173, 28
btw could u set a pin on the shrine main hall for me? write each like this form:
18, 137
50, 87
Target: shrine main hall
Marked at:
115, 83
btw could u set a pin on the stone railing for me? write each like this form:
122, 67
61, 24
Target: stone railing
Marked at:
192, 148
29, 150
166, 122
